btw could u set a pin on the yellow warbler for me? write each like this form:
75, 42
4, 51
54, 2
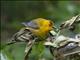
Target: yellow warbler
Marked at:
39, 27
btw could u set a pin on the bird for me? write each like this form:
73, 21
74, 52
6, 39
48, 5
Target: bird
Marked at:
40, 27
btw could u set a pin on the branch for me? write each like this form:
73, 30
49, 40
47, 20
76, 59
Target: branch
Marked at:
70, 23
29, 48
65, 45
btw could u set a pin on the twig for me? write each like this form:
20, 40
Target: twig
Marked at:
28, 49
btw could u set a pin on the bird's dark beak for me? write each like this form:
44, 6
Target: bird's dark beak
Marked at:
54, 27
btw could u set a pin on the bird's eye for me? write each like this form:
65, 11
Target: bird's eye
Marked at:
50, 23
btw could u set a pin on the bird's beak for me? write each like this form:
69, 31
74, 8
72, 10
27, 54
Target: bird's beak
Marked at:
54, 27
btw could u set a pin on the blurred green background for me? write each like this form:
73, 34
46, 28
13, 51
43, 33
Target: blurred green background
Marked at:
13, 13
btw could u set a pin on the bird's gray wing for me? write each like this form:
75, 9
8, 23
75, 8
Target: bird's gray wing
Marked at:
31, 24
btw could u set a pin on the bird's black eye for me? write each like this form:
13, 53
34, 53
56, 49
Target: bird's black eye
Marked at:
50, 23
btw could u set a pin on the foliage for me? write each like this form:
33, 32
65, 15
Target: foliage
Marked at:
15, 12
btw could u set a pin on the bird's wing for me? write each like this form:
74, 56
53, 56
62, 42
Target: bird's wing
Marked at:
31, 24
